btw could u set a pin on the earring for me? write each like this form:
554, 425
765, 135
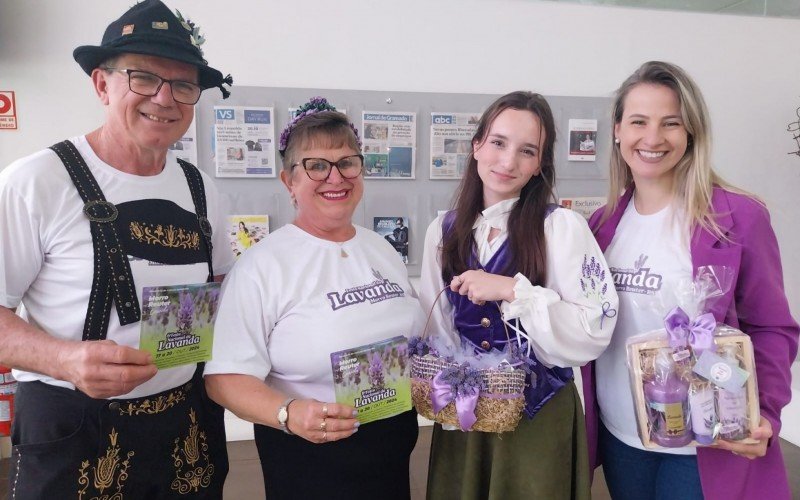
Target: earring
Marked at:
616, 140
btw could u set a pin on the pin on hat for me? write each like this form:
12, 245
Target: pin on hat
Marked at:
150, 28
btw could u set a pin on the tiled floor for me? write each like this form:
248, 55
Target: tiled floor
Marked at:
245, 483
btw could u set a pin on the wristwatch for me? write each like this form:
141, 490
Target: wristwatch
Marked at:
283, 415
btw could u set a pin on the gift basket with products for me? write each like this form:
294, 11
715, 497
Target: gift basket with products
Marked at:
466, 387
693, 381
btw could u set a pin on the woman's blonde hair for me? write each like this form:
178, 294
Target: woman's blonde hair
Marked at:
694, 176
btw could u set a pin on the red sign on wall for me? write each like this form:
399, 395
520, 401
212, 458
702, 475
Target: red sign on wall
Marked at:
8, 110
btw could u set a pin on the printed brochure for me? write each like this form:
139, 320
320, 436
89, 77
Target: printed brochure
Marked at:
374, 379
178, 323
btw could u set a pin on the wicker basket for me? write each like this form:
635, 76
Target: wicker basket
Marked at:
499, 408
499, 405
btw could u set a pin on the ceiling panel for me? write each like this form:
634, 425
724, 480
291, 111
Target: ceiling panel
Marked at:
772, 8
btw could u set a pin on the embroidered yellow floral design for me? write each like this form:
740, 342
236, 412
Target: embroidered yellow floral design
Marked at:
153, 406
193, 467
109, 474
166, 236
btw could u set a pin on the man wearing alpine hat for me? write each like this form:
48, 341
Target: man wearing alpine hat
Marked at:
85, 225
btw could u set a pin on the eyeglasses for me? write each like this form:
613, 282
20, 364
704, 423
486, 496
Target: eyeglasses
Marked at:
319, 169
149, 84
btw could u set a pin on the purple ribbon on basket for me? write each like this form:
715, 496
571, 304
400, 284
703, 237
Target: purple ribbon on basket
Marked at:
698, 333
461, 385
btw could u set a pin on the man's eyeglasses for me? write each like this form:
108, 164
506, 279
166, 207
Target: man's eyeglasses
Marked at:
149, 84
319, 169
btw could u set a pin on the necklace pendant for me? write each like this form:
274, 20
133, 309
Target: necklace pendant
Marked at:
343, 253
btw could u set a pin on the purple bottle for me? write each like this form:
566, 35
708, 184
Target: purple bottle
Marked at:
667, 397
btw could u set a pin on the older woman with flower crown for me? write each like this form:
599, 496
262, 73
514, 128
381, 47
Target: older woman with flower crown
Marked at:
279, 322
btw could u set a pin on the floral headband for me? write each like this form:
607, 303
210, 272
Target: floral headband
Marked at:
315, 105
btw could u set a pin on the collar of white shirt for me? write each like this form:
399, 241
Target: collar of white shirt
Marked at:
496, 216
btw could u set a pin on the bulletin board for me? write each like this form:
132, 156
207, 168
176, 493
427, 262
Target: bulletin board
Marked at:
419, 199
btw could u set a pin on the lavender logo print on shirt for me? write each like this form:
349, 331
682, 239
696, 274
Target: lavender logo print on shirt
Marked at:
376, 291
639, 280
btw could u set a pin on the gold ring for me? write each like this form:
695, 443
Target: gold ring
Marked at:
324, 436
325, 410
323, 425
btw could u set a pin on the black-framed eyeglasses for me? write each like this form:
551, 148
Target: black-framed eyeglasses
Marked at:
149, 84
319, 169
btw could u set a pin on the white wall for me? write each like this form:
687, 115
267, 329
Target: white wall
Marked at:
748, 67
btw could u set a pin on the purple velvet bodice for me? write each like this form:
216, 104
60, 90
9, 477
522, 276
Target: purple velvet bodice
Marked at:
482, 327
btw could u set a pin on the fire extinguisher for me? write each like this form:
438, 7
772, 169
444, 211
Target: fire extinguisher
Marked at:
8, 386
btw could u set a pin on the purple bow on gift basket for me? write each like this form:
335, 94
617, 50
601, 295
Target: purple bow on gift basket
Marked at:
461, 384
698, 333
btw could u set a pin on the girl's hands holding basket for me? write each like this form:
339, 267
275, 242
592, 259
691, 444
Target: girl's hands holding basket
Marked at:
320, 422
480, 286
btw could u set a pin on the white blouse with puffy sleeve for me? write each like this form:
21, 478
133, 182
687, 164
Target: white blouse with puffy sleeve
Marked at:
569, 320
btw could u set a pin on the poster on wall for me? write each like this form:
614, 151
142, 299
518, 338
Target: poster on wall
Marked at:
8, 110
390, 142
394, 229
244, 141
451, 136
245, 231
186, 147
582, 140
585, 206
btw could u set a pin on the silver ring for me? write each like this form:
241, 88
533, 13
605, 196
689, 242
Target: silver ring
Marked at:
324, 436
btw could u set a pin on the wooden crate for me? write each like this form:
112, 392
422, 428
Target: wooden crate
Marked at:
639, 351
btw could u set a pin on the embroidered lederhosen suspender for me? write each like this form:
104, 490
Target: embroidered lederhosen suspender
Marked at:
113, 279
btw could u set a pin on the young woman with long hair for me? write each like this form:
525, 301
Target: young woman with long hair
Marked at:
506, 252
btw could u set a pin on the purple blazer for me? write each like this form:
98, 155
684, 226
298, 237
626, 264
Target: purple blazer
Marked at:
757, 305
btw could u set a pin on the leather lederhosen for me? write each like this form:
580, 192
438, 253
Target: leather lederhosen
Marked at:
165, 445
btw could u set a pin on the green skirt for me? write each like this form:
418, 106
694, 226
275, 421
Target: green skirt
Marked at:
544, 458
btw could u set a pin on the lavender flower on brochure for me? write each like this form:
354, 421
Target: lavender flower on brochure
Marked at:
375, 371
213, 298
185, 312
336, 360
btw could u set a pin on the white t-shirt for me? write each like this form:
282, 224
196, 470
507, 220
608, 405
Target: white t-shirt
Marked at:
564, 319
648, 256
46, 254
293, 299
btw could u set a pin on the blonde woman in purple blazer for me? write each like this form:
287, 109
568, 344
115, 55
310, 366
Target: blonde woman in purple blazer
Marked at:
677, 214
